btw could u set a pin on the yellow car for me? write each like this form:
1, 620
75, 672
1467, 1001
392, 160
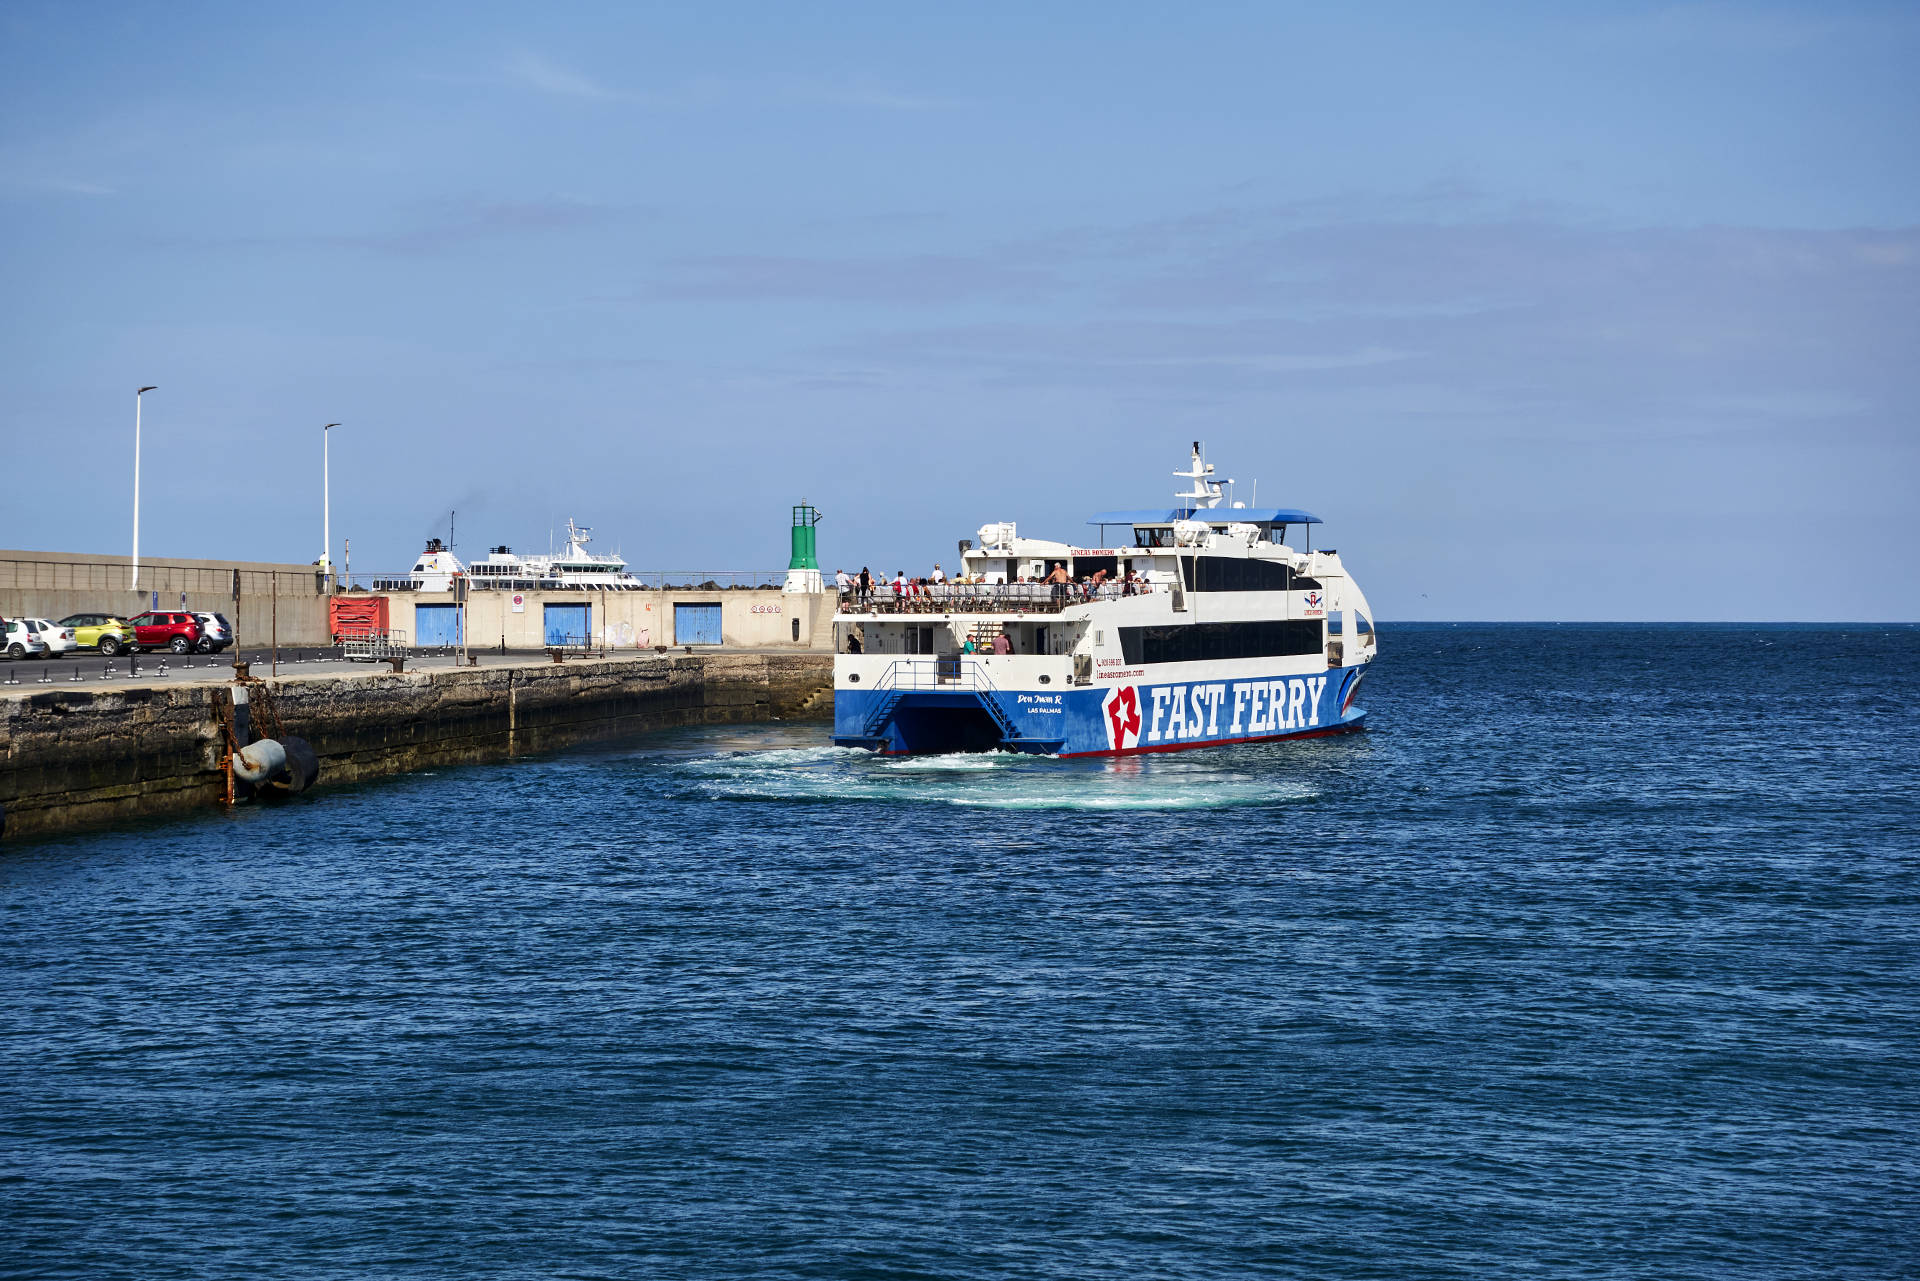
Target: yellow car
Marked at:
103, 632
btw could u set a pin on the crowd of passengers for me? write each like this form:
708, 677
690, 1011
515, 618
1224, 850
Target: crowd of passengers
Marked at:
937, 591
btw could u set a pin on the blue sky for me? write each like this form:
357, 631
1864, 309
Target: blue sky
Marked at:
1563, 311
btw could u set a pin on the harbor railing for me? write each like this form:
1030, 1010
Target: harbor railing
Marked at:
373, 644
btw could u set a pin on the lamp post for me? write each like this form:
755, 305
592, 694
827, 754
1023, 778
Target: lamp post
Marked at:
134, 586
326, 496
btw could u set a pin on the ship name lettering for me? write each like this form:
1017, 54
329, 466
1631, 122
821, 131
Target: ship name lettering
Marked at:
1254, 708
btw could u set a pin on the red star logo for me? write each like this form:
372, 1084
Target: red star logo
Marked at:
1123, 713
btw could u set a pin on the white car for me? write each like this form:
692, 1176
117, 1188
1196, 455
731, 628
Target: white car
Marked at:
59, 639
23, 641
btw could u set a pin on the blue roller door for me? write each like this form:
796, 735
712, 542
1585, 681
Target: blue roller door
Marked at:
436, 625
696, 624
566, 624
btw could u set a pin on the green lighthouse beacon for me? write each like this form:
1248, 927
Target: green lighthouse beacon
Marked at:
803, 568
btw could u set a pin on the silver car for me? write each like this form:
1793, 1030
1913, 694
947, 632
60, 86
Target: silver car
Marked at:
216, 633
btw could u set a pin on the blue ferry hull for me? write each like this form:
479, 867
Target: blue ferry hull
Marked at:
1112, 721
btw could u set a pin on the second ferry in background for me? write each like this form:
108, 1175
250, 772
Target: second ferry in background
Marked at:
1207, 629
575, 569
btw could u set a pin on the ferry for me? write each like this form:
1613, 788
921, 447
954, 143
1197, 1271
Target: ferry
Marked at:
1199, 628
575, 569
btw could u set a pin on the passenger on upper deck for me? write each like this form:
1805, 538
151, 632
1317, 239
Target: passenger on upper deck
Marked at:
1059, 580
937, 577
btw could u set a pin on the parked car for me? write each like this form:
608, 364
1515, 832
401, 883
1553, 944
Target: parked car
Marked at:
216, 633
23, 641
103, 632
176, 630
59, 639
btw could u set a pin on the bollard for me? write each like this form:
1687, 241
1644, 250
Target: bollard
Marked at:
11, 678
106, 672
76, 673
163, 667
46, 676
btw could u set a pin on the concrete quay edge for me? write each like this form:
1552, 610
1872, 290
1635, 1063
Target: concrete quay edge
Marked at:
85, 754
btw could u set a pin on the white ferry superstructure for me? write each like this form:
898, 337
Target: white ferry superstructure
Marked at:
1207, 629
574, 569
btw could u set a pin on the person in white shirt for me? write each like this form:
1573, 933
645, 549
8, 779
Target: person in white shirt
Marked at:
900, 584
937, 577
844, 581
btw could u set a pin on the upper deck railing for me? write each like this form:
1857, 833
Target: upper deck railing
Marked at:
984, 598
682, 580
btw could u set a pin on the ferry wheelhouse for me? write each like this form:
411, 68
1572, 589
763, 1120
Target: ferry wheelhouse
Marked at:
1201, 627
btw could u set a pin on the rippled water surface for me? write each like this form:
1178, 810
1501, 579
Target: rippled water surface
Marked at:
1596, 956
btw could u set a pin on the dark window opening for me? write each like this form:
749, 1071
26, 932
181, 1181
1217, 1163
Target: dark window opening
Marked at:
1200, 642
1239, 574
1088, 566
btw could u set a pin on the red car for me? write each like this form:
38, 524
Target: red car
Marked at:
176, 630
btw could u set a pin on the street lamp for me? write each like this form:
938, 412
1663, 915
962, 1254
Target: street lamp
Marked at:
134, 586
326, 497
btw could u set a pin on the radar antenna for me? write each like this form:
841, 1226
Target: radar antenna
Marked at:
1205, 492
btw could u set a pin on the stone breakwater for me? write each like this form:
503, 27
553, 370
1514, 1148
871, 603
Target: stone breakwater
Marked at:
75, 757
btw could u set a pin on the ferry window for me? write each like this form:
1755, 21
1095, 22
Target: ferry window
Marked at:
1199, 642
1362, 624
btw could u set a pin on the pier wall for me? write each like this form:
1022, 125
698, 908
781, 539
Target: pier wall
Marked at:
52, 585
72, 758
290, 602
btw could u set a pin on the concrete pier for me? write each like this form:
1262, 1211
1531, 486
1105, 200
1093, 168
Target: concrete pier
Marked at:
75, 755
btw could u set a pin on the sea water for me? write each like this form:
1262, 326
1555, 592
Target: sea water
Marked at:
1597, 956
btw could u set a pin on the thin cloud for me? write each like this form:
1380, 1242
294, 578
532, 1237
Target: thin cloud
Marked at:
918, 278
532, 71
544, 75
57, 186
883, 99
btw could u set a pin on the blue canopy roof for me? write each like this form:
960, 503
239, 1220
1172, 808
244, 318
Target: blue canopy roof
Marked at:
1212, 515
